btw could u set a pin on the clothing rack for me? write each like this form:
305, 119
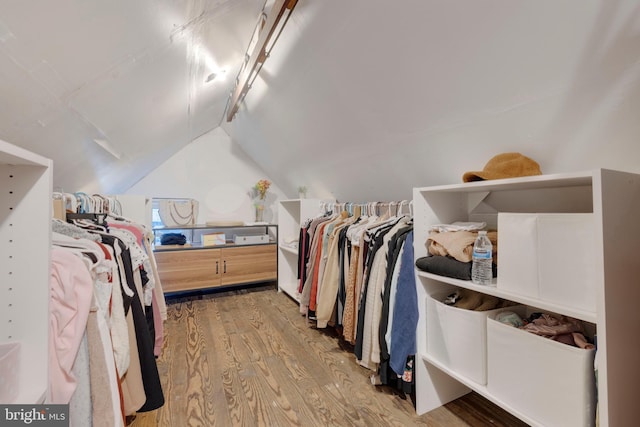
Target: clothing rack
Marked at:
108, 298
81, 203
351, 260
369, 208
98, 218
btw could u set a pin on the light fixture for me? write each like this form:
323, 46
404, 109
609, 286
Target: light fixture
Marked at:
269, 26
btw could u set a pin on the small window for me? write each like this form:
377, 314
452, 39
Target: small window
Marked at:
156, 221
173, 210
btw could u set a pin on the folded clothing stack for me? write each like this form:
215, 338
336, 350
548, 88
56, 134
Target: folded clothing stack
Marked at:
173, 239
448, 266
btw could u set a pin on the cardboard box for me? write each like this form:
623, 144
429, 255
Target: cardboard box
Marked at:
550, 257
548, 381
214, 239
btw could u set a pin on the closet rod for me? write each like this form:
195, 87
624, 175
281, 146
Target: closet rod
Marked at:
369, 207
85, 203
98, 218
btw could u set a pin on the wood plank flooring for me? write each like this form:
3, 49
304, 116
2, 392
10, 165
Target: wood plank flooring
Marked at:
248, 358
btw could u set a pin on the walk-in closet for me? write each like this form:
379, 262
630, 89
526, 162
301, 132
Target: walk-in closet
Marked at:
319, 213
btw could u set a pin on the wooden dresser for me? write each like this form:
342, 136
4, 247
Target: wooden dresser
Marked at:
195, 266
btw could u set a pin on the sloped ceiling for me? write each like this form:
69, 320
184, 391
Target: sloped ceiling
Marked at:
131, 73
359, 100
365, 99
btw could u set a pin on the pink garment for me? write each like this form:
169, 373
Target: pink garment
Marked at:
70, 301
132, 228
549, 326
563, 329
157, 324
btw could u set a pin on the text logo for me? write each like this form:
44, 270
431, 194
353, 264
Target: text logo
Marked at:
34, 415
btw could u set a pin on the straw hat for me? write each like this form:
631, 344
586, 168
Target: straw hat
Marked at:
505, 165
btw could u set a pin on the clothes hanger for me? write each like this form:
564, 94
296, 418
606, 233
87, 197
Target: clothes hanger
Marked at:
80, 246
85, 201
70, 202
401, 205
89, 221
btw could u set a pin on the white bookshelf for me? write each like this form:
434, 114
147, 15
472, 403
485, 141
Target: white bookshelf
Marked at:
613, 199
291, 213
25, 224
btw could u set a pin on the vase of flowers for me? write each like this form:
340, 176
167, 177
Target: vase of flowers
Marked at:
261, 188
302, 192
259, 212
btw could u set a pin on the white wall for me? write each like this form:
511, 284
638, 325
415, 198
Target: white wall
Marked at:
365, 99
216, 172
128, 73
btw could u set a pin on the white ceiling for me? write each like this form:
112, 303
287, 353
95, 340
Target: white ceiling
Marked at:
366, 99
131, 73
359, 100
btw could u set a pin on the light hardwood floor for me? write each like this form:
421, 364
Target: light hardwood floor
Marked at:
248, 358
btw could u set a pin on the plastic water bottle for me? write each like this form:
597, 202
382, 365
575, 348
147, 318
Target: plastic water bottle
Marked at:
481, 272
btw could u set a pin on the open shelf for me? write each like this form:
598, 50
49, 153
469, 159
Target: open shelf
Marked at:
25, 230
527, 183
480, 389
291, 214
607, 300
497, 292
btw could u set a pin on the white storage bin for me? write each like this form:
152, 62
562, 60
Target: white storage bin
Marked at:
548, 381
457, 338
550, 257
9, 371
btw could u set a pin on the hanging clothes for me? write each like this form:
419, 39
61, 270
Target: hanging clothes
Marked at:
328, 291
371, 302
356, 273
114, 372
71, 290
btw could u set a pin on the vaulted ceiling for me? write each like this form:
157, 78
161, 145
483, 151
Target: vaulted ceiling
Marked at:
366, 99
360, 99
129, 74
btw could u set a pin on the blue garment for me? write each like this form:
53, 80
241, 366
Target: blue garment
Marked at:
405, 312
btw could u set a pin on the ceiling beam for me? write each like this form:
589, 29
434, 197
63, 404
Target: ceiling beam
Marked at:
259, 55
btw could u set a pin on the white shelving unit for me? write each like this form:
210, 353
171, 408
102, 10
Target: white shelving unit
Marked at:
613, 199
290, 215
25, 224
